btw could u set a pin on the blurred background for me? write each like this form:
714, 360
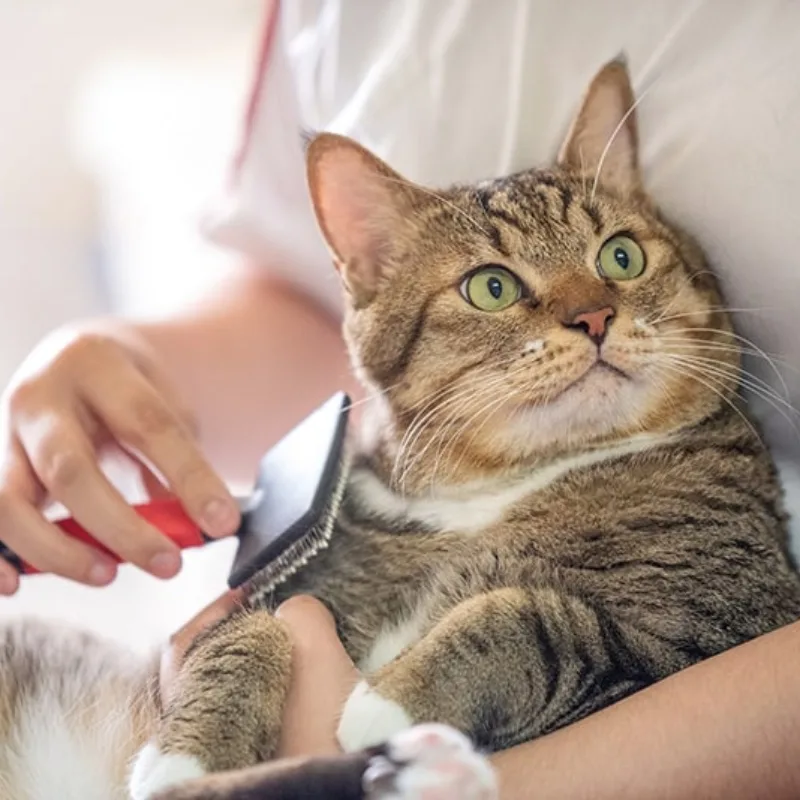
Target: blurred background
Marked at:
117, 124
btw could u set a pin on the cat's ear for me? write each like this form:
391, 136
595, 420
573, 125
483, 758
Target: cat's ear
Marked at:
362, 208
603, 140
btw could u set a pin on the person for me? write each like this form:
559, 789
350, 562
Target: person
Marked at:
446, 91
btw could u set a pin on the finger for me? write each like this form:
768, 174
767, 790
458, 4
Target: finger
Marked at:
142, 420
64, 462
36, 541
44, 546
25, 530
306, 617
322, 677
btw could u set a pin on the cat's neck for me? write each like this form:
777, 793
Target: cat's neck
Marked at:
415, 464
471, 507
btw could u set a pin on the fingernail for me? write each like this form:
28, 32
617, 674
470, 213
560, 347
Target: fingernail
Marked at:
101, 573
219, 517
165, 565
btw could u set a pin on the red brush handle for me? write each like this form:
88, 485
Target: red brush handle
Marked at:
167, 516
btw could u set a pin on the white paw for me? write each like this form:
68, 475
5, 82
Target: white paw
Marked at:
430, 762
154, 771
369, 719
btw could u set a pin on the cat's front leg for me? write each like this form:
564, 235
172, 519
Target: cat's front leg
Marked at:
227, 705
502, 667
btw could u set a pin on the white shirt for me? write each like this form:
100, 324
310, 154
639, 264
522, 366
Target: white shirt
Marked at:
455, 90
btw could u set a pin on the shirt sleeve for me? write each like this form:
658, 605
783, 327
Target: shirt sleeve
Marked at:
264, 211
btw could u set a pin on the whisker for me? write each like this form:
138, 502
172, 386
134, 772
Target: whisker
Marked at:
688, 280
722, 347
428, 402
488, 410
470, 396
766, 394
615, 133
746, 379
456, 437
720, 394
417, 428
372, 395
744, 340
768, 397
711, 309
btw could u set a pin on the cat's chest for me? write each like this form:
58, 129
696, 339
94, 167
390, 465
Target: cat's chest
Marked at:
475, 509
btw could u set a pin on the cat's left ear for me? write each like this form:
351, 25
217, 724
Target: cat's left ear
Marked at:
363, 209
603, 139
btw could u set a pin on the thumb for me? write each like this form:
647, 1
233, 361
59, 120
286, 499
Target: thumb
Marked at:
306, 618
323, 674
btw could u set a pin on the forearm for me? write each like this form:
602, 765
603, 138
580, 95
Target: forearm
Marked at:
251, 361
727, 728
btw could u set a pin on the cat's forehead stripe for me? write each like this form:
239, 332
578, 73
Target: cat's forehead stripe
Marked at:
527, 201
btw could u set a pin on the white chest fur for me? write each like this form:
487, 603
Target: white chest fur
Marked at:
392, 640
472, 508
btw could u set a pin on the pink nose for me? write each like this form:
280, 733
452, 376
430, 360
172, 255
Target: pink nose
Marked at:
593, 323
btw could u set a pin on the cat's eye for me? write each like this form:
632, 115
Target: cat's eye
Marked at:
620, 259
491, 288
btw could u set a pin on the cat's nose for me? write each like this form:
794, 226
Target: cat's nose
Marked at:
593, 323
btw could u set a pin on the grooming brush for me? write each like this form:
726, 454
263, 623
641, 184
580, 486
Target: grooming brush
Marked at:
286, 520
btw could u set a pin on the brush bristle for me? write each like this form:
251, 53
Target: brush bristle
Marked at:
261, 587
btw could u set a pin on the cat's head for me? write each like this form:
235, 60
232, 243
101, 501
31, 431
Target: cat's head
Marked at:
529, 315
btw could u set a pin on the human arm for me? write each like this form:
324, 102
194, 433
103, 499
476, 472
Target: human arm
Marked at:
255, 358
244, 364
728, 728
725, 728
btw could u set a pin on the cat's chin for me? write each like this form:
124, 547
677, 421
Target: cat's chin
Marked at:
602, 400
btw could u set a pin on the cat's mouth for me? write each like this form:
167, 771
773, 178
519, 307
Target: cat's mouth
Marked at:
600, 366
601, 363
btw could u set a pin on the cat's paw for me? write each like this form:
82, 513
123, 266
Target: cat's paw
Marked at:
430, 762
369, 719
154, 771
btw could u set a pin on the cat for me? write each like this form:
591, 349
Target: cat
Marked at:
556, 496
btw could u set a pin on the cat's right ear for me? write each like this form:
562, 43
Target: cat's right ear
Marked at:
603, 138
362, 208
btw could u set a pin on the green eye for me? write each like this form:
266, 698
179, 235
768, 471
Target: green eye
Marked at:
492, 288
620, 259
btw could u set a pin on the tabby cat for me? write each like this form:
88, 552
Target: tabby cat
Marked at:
556, 496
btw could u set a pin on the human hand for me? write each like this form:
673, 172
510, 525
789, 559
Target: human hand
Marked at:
323, 676
75, 396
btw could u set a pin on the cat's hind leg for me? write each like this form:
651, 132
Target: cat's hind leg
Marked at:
225, 712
